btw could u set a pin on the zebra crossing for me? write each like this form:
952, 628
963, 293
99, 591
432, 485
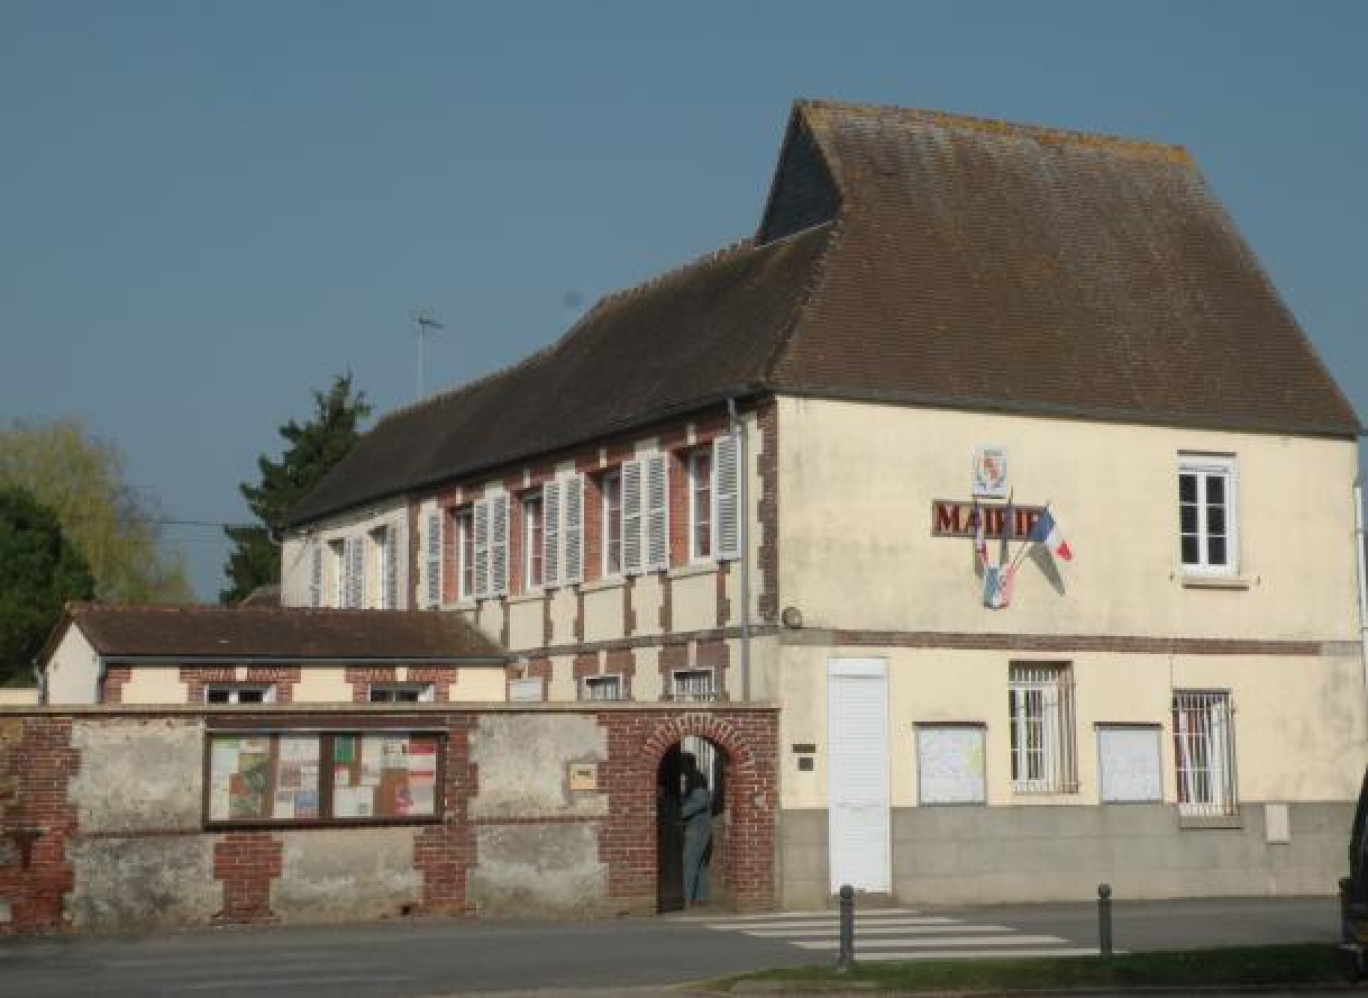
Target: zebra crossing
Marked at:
897, 934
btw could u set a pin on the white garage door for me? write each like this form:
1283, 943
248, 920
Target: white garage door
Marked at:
857, 773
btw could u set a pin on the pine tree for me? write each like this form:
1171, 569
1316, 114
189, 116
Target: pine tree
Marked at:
39, 571
312, 449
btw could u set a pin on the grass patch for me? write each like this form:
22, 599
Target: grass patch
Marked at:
1314, 963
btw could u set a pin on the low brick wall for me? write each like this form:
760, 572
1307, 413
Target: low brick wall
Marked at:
103, 824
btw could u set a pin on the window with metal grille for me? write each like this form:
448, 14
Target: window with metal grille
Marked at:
1206, 514
694, 684
401, 693
603, 688
1041, 708
236, 693
1204, 752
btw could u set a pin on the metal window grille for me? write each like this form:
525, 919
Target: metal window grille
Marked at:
1041, 707
1204, 752
603, 688
694, 684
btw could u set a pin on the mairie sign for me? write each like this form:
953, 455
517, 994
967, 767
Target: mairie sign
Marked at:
957, 519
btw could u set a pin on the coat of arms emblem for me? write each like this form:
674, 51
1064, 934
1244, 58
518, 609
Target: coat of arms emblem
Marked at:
990, 473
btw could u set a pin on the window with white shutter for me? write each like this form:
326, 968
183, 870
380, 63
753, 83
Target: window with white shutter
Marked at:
727, 492
356, 572
657, 503
434, 560
315, 573
551, 534
498, 545
573, 494
481, 549
631, 517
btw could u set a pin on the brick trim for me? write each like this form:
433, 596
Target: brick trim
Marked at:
246, 863
767, 509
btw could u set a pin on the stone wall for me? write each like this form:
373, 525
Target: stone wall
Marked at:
102, 821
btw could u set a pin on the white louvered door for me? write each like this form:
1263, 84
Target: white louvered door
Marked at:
857, 774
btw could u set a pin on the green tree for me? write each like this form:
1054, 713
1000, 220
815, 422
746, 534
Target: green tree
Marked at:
39, 571
312, 449
81, 478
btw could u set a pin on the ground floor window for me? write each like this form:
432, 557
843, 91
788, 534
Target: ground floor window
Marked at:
694, 684
401, 693
328, 777
1041, 710
1204, 752
603, 688
237, 693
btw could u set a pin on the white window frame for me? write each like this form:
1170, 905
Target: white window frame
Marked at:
533, 505
1203, 468
609, 680
234, 693
708, 487
424, 692
610, 483
1040, 702
1204, 753
688, 694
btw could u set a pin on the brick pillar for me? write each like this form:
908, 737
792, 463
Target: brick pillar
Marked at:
445, 853
247, 862
37, 763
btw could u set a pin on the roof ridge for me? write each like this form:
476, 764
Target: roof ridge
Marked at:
656, 280
1165, 151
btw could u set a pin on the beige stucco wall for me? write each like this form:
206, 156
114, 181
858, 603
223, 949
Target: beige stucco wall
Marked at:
480, 684
857, 482
73, 671
296, 563
1299, 721
155, 684
322, 684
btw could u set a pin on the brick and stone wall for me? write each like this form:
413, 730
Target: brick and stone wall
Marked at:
102, 822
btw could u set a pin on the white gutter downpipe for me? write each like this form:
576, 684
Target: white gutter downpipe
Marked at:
1362, 581
736, 426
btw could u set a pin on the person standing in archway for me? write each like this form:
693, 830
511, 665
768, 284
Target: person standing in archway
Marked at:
697, 815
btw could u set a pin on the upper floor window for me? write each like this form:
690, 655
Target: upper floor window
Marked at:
1041, 711
337, 570
465, 554
612, 523
384, 549
533, 540
1206, 514
700, 504
603, 688
237, 693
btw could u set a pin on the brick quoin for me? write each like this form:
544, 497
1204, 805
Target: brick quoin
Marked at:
622, 662
672, 657
767, 510
716, 655
361, 677
627, 840
116, 677
246, 863
197, 677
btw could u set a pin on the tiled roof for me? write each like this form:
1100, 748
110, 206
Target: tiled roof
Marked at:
996, 266
189, 632
916, 257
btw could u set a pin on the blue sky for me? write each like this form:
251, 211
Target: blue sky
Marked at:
207, 210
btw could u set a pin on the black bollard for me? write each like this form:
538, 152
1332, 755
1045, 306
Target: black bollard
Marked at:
846, 958
1104, 926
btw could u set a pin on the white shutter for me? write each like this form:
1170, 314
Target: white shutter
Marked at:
727, 497
631, 518
498, 545
434, 560
316, 573
573, 489
481, 549
356, 572
391, 556
657, 502
551, 534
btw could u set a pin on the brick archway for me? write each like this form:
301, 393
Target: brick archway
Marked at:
628, 844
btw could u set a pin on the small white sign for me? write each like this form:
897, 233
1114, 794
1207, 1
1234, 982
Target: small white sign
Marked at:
990, 473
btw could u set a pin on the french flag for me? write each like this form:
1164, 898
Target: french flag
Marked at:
1047, 532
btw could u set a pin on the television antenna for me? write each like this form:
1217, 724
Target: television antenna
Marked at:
424, 325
